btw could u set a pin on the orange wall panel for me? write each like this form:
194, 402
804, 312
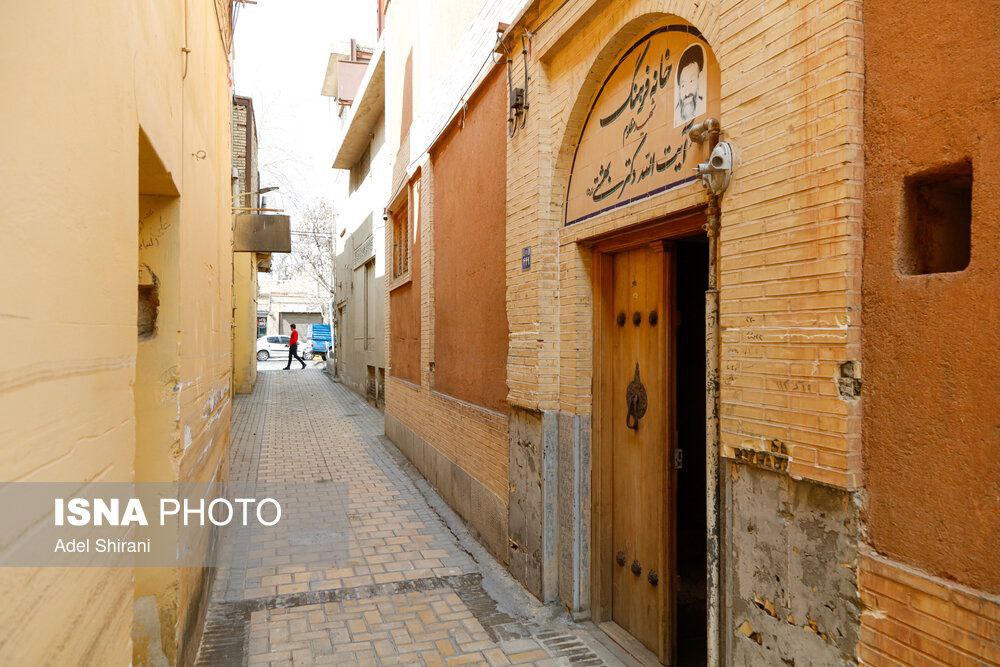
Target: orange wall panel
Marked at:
930, 431
470, 216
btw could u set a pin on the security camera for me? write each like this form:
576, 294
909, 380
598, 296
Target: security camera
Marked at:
717, 172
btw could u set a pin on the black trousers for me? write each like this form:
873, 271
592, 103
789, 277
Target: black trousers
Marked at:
293, 353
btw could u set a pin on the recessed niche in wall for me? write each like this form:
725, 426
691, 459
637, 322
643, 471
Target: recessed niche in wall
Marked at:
149, 304
937, 221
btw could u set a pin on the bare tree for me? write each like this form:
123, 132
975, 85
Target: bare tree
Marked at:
312, 250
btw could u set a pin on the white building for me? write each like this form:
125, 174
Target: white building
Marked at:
357, 81
299, 300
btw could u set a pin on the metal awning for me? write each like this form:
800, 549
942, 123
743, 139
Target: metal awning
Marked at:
255, 232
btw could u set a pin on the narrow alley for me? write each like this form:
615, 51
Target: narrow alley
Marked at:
623, 332
409, 584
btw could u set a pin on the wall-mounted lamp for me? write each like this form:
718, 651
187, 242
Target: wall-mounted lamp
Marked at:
517, 115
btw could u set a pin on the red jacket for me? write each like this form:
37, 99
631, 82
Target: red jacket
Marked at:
295, 337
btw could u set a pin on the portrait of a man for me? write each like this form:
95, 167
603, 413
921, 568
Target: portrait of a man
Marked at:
689, 92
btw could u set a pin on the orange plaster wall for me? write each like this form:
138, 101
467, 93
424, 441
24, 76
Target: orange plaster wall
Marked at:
930, 364
470, 218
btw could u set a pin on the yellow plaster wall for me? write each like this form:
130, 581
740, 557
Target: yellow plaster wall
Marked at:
80, 79
244, 321
206, 282
157, 435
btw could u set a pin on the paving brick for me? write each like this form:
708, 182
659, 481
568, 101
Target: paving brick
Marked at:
327, 608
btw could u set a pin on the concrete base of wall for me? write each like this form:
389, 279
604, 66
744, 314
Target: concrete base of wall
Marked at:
790, 561
573, 520
482, 509
549, 512
147, 648
533, 442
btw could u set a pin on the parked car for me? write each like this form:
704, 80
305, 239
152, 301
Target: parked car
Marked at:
272, 346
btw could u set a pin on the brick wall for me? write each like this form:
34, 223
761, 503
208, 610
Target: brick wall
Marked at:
459, 447
913, 618
790, 267
790, 251
239, 145
243, 128
473, 437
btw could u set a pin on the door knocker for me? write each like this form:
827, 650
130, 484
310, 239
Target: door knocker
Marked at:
635, 395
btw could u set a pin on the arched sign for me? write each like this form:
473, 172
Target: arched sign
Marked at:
634, 141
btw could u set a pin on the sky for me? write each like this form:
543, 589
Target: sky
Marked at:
281, 52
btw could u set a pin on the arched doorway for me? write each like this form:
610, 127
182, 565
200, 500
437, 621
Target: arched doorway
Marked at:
649, 281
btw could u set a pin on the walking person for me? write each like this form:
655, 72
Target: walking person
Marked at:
293, 343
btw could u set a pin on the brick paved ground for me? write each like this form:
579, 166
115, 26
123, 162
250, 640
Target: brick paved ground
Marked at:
363, 568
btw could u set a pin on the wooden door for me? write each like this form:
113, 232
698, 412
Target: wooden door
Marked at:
640, 443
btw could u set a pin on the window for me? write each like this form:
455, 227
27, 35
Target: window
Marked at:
405, 227
360, 169
937, 221
400, 242
272, 339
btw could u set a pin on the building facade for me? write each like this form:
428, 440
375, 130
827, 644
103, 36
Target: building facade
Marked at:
359, 238
286, 298
446, 391
117, 154
650, 391
246, 199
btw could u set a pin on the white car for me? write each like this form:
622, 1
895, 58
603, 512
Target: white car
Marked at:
272, 346
269, 347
